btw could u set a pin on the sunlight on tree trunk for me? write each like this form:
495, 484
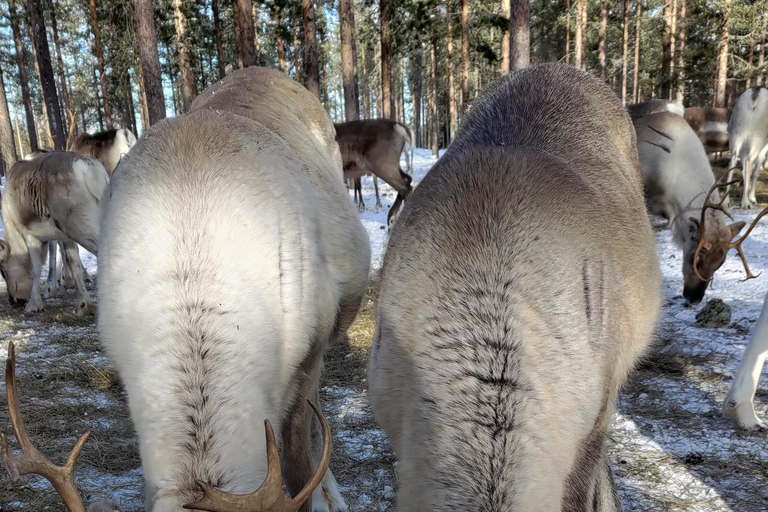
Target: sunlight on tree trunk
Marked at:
188, 80
452, 113
625, 51
433, 114
519, 34
464, 71
100, 60
7, 145
244, 34
311, 64
602, 62
581, 10
722, 58
279, 40
681, 25
143, 15
505, 12
636, 82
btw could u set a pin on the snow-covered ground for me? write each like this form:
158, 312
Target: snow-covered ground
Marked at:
670, 448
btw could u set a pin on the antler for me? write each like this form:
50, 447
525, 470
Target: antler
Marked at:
702, 222
32, 461
269, 497
737, 245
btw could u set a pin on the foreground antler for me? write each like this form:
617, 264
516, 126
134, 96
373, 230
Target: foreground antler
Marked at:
31, 461
269, 497
703, 244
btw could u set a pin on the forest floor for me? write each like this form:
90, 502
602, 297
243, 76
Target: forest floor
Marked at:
670, 448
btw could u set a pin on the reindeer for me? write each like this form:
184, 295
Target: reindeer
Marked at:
373, 147
230, 258
711, 126
107, 147
519, 287
677, 177
748, 140
646, 108
268, 498
53, 197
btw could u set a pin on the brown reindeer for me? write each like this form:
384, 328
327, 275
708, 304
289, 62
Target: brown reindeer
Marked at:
373, 147
107, 147
519, 287
711, 126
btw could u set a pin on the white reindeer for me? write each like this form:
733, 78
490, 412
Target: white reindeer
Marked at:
748, 140
55, 196
230, 258
520, 285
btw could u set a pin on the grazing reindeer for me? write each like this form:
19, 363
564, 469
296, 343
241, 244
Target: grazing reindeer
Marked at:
646, 108
748, 140
519, 286
268, 498
55, 196
231, 256
108, 147
711, 126
373, 147
676, 178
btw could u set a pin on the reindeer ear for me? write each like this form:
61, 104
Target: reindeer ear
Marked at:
5, 250
736, 228
693, 227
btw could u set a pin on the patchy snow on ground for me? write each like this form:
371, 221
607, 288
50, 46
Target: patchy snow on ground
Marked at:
669, 447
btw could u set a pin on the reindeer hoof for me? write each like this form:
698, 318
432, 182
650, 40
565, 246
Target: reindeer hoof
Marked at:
51, 291
67, 282
85, 309
33, 306
361, 207
88, 279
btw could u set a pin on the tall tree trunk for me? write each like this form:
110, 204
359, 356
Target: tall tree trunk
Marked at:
519, 34
60, 63
349, 59
581, 18
452, 114
722, 57
602, 60
384, 44
635, 83
750, 59
761, 57
464, 70
256, 46
681, 26
505, 12
567, 31
244, 35
100, 59
188, 80
95, 81
7, 145
144, 19
50, 96
435, 123
364, 82
217, 32
143, 110
23, 78
417, 71
296, 48
666, 54
311, 65
625, 52
279, 38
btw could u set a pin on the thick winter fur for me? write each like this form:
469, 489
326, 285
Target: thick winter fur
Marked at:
231, 257
676, 178
748, 137
646, 108
739, 403
519, 286
107, 147
711, 126
55, 196
374, 146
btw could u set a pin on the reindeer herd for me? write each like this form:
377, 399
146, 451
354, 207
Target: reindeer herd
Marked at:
519, 288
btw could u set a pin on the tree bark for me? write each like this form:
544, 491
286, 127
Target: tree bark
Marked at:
349, 60
581, 18
23, 78
452, 114
761, 57
505, 12
417, 71
635, 84
244, 34
602, 61
60, 63
256, 46
95, 83
279, 38
217, 32
625, 52
681, 26
100, 60
722, 58
433, 99
364, 82
519, 34
567, 31
464, 71
667, 44
750, 59
296, 48
48, 82
385, 71
311, 65
143, 15
188, 80
7, 144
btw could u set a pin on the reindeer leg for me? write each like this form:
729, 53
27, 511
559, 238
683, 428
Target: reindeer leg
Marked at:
376, 188
756, 165
359, 190
52, 285
66, 279
393, 212
746, 173
72, 257
326, 496
35, 248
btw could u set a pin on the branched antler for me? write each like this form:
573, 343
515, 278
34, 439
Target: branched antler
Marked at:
31, 461
737, 245
269, 497
708, 204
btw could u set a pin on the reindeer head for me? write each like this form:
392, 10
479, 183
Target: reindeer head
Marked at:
15, 269
267, 498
